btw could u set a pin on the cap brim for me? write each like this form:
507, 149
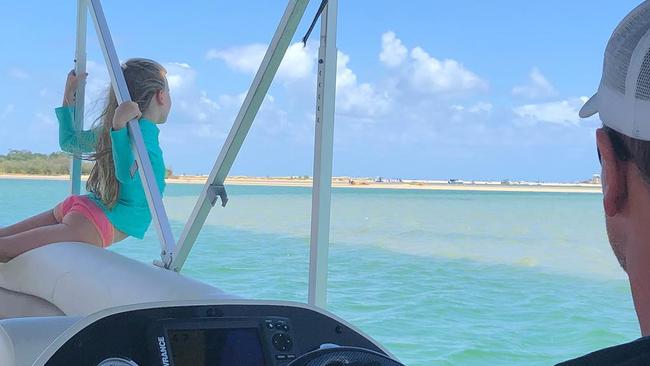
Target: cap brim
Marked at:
590, 108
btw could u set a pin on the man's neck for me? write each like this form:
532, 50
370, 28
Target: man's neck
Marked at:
640, 287
637, 266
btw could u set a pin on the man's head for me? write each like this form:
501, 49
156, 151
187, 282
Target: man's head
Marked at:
623, 102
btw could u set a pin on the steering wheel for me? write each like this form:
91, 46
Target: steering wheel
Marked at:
344, 356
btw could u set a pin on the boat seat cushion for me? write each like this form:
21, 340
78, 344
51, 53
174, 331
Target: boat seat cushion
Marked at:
81, 279
22, 340
18, 305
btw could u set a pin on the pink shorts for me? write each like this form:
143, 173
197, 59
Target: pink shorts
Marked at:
84, 206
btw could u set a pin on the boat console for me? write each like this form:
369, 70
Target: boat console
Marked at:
74, 304
228, 333
62, 310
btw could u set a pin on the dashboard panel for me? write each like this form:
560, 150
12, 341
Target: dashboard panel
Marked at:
214, 335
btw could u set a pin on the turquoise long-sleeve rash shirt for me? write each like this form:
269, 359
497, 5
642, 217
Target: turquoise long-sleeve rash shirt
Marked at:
131, 213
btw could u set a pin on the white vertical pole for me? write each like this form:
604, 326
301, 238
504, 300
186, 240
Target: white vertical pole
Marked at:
80, 70
323, 154
151, 191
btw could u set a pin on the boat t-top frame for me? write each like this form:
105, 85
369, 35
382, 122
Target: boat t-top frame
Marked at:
173, 255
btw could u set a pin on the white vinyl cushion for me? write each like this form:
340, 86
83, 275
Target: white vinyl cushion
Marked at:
81, 279
18, 305
22, 340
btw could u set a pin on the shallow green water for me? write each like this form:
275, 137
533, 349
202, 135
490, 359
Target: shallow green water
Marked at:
439, 278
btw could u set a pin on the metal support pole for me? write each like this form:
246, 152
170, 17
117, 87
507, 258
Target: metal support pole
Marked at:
154, 199
80, 69
256, 93
323, 153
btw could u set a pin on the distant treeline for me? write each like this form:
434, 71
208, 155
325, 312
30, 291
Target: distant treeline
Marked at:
58, 163
27, 162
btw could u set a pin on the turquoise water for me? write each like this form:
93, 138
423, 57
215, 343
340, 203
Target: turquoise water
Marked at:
439, 278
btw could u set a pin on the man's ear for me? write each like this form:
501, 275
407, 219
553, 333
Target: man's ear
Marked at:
613, 177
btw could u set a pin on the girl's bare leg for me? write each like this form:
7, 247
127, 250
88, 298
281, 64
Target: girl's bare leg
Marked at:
73, 227
43, 219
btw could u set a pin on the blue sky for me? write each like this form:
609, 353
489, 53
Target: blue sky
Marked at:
427, 89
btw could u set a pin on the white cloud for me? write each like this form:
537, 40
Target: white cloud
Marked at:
393, 52
214, 118
188, 98
564, 112
243, 58
232, 101
6, 111
205, 108
419, 72
208, 102
204, 116
298, 63
430, 75
98, 81
481, 107
205, 130
419, 99
180, 76
415, 93
538, 87
17, 73
359, 99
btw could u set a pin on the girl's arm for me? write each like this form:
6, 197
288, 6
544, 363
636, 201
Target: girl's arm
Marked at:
122, 155
74, 141
70, 92
70, 140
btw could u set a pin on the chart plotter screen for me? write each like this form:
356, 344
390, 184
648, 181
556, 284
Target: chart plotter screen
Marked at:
216, 347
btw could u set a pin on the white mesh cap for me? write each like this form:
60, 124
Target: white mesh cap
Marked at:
623, 97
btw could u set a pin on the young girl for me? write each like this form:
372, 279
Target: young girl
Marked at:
115, 206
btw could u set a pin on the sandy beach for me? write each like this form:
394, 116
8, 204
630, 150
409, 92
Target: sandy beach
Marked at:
369, 183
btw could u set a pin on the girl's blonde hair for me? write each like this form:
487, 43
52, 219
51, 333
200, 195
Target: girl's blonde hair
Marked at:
143, 78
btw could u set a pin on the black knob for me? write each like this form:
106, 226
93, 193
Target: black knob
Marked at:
282, 342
